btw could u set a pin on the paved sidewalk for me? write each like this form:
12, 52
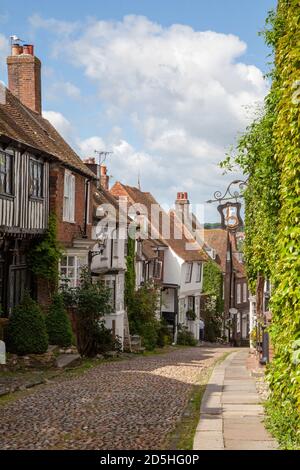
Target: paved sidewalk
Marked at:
231, 415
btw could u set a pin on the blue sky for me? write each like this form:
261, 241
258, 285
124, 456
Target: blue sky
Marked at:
167, 85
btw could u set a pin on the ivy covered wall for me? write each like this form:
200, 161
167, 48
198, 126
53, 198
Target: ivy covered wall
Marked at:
213, 304
269, 153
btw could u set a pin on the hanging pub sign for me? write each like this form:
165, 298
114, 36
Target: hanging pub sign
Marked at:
231, 215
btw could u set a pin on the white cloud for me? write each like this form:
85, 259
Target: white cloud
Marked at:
63, 89
61, 124
185, 94
4, 51
88, 146
59, 27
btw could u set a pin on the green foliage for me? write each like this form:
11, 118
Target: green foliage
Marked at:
191, 315
165, 335
142, 315
106, 341
58, 323
91, 302
185, 337
213, 303
269, 154
45, 255
26, 331
284, 373
130, 274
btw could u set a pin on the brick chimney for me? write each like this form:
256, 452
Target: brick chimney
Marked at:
24, 76
182, 203
104, 178
100, 171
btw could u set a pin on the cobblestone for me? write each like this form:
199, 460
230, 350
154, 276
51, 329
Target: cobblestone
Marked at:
132, 404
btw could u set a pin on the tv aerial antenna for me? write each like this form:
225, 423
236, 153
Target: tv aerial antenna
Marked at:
102, 155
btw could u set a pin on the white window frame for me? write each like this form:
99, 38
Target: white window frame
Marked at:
238, 293
199, 272
157, 269
75, 266
189, 273
245, 292
69, 197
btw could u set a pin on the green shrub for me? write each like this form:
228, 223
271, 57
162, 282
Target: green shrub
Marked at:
91, 302
149, 333
58, 323
164, 335
26, 331
185, 337
142, 315
106, 341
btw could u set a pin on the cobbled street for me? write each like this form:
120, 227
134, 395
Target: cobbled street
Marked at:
130, 404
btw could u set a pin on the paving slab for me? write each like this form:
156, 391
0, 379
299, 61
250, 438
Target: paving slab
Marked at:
234, 444
208, 441
234, 412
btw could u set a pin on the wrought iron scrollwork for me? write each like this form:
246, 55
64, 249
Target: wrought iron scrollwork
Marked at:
234, 191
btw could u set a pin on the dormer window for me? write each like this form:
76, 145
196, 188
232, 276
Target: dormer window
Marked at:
6, 174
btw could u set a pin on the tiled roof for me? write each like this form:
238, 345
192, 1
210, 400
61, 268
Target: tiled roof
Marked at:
20, 124
182, 247
217, 239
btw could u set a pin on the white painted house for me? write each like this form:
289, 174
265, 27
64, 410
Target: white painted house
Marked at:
179, 257
109, 265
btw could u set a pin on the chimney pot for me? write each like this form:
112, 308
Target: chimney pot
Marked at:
24, 76
28, 49
16, 49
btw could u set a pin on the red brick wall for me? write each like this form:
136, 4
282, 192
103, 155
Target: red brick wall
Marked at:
24, 80
117, 190
67, 232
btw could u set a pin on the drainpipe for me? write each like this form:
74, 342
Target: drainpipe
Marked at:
86, 208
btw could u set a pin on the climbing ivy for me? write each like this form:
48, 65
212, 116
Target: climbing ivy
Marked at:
213, 303
284, 373
130, 273
45, 255
269, 153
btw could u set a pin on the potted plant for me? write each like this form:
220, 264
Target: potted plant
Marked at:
191, 315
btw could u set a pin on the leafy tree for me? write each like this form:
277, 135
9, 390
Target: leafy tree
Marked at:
142, 315
91, 302
26, 331
58, 323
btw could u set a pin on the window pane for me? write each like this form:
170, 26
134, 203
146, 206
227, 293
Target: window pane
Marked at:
71, 260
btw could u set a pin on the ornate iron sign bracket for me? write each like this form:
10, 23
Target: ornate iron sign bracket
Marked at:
230, 211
